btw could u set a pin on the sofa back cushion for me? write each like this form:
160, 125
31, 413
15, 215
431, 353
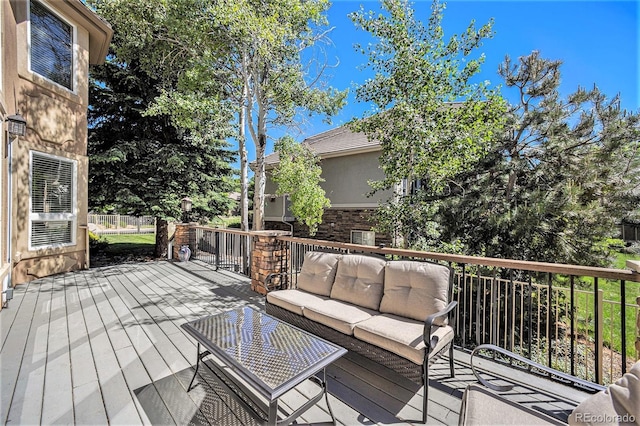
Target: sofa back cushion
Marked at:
415, 289
359, 280
318, 272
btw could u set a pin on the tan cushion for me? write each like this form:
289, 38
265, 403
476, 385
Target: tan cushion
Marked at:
618, 404
402, 336
480, 406
359, 280
318, 272
294, 300
415, 289
338, 315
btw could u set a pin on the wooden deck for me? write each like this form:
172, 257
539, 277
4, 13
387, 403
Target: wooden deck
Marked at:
104, 346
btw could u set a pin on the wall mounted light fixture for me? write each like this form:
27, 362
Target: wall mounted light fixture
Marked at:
17, 125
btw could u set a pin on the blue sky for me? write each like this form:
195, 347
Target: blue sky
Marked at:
598, 42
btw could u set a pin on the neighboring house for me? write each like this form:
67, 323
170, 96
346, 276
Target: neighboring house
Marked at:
46, 48
349, 161
235, 208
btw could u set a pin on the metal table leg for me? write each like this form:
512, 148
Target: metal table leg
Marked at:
199, 357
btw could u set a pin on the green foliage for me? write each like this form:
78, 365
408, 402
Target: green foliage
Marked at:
144, 165
430, 120
242, 56
556, 182
298, 176
96, 243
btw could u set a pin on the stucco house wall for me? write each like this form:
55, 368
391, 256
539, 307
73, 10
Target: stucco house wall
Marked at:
347, 173
56, 119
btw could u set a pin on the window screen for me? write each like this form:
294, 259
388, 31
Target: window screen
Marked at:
51, 46
52, 200
367, 238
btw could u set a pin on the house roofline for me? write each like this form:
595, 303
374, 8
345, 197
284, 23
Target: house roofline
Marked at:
100, 31
327, 155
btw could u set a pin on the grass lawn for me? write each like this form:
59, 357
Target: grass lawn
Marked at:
622, 258
225, 221
130, 245
611, 315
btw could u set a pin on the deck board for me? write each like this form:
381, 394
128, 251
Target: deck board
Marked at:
105, 346
24, 357
57, 404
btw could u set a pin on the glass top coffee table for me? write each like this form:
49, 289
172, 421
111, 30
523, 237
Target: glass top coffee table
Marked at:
256, 353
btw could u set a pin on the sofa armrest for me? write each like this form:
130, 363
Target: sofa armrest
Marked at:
270, 277
532, 366
428, 322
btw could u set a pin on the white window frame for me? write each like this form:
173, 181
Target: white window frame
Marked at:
74, 48
54, 217
365, 235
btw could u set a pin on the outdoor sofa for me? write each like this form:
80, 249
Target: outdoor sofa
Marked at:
483, 404
396, 313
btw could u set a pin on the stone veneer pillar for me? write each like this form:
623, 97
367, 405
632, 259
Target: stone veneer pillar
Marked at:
182, 237
268, 256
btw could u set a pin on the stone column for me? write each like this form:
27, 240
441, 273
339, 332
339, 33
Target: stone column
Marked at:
182, 237
268, 256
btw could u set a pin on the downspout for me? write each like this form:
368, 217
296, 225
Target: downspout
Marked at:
7, 289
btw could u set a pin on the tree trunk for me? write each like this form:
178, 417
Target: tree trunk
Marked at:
260, 173
244, 184
260, 177
162, 238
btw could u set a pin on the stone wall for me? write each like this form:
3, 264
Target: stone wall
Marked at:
336, 225
183, 237
269, 256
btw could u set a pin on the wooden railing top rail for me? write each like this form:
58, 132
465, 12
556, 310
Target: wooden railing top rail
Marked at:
556, 268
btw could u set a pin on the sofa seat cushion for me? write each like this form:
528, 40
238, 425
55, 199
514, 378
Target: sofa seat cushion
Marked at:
338, 315
402, 336
318, 272
294, 300
415, 289
359, 280
481, 406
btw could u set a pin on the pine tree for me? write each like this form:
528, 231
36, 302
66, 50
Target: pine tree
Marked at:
556, 183
144, 165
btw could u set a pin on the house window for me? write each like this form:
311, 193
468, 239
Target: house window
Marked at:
367, 238
52, 201
411, 188
51, 46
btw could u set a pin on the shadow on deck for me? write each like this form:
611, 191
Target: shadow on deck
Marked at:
105, 346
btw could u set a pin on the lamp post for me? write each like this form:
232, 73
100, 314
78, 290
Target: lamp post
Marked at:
186, 204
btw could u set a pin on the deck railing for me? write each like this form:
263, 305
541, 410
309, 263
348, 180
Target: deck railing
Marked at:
225, 248
578, 319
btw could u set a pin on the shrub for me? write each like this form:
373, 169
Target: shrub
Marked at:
97, 243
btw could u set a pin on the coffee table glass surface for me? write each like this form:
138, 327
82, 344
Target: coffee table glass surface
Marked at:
271, 355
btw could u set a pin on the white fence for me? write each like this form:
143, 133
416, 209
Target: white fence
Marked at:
121, 224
